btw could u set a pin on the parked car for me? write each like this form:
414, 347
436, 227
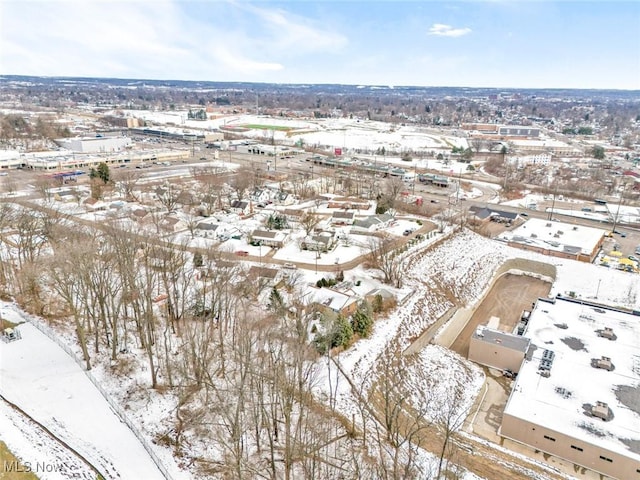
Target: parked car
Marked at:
242, 253
633, 258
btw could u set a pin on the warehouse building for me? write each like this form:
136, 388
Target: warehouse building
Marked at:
556, 239
97, 144
577, 392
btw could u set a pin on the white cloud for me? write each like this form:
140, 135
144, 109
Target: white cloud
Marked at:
240, 64
157, 39
442, 30
290, 32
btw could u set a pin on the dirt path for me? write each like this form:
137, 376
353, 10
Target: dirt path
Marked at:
509, 296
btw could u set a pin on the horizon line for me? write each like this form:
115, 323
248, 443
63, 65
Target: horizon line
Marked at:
385, 86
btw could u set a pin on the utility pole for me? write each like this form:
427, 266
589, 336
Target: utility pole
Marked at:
553, 206
615, 219
275, 155
415, 177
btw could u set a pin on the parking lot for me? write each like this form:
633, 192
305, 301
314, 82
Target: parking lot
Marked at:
510, 295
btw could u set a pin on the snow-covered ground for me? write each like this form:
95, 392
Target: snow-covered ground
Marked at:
37, 451
45, 382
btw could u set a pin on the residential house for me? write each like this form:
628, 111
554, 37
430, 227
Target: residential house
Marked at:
142, 216
269, 239
264, 274
206, 229
260, 195
319, 243
93, 204
240, 207
65, 196
172, 224
334, 301
342, 218
372, 222
285, 198
388, 298
293, 214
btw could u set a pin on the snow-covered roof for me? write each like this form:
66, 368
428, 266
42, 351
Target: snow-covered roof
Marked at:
570, 330
265, 235
558, 236
330, 298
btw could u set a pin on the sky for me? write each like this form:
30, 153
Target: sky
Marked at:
492, 43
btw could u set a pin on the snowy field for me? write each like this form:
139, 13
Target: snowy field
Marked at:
345, 133
45, 382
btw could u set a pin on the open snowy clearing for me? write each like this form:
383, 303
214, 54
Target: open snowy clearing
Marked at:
48, 385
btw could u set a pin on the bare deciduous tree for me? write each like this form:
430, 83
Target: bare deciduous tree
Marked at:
241, 182
383, 257
309, 220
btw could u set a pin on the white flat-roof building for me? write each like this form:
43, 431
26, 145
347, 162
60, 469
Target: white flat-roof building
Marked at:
577, 393
556, 239
98, 144
536, 159
547, 145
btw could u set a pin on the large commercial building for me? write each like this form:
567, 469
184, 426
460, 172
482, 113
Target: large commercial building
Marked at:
557, 239
577, 393
97, 144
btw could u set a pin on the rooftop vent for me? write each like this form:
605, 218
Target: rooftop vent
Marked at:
563, 392
603, 363
533, 235
607, 332
544, 369
575, 228
548, 224
601, 410
548, 355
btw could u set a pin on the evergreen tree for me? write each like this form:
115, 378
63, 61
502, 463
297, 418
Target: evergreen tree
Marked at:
362, 322
342, 332
102, 172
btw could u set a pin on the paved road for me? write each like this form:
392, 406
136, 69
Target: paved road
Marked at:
510, 295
